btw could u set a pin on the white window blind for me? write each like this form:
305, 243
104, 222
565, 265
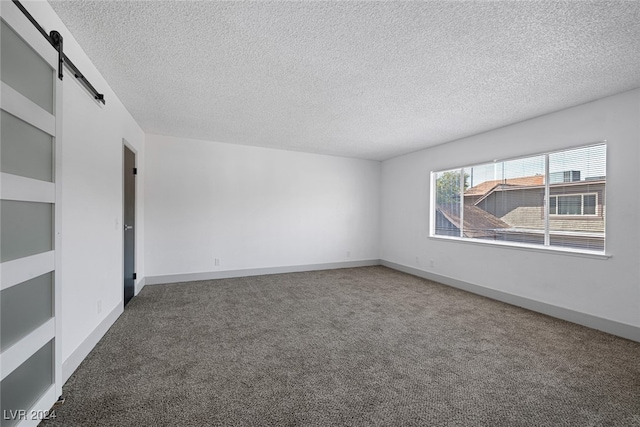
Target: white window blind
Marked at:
577, 181
507, 201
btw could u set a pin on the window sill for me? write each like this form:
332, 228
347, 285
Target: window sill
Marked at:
585, 217
526, 247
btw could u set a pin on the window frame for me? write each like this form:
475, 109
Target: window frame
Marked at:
546, 247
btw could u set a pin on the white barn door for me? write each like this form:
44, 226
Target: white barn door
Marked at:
30, 101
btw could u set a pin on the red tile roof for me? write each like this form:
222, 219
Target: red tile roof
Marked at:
487, 186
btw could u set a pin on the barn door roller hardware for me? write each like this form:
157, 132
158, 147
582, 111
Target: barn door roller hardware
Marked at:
55, 39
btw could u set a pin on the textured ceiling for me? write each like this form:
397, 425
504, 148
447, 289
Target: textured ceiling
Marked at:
361, 79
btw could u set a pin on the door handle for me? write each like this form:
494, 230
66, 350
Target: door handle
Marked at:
128, 227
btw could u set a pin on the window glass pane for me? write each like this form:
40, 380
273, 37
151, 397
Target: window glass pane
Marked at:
24, 307
589, 204
505, 201
24, 70
578, 178
569, 205
25, 150
27, 229
447, 203
553, 201
22, 388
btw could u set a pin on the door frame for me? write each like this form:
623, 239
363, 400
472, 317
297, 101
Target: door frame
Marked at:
136, 221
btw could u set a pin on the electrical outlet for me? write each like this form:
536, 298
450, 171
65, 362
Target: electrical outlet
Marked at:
417, 260
431, 263
348, 254
99, 306
217, 261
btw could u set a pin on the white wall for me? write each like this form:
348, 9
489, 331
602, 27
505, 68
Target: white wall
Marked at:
92, 251
605, 288
255, 207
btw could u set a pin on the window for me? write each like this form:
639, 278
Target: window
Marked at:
550, 200
573, 204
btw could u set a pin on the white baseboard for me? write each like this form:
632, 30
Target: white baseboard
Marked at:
138, 287
606, 325
210, 275
82, 351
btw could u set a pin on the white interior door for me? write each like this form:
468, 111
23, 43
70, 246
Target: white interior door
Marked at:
30, 101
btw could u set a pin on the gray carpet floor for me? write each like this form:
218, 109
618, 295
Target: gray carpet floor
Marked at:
362, 346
